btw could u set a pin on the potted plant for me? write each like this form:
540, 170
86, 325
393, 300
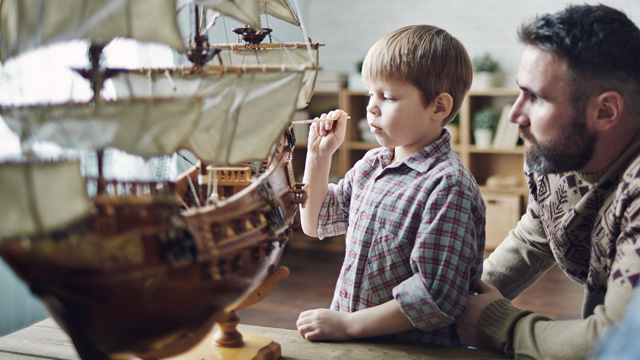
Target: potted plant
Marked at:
486, 72
485, 121
355, 78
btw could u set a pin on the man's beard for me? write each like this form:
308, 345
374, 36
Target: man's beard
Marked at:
570, 150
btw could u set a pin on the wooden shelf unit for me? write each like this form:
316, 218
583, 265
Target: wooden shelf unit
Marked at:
505, 204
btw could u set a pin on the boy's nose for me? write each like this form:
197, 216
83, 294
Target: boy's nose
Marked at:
373, 109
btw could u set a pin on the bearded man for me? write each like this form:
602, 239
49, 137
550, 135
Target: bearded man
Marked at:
579, 116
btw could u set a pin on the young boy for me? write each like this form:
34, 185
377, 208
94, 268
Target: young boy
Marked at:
412, 214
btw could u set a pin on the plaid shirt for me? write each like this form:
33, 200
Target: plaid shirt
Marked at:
415, 232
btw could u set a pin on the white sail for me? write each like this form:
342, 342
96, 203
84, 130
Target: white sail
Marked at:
262, 108
294, 54
223, 118
145, 128
249, 11
241, 114
27, 24
279, 9
33, 201
245, 11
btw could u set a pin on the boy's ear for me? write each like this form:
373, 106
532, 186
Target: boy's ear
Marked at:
442, 105
608, 108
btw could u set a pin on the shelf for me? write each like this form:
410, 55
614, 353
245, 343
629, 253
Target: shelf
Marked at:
505, 190
362, 145
518, 150
494, 92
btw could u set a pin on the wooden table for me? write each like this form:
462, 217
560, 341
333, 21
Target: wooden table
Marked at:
45, 340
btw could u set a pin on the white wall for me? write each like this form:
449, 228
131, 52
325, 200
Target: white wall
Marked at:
350, 27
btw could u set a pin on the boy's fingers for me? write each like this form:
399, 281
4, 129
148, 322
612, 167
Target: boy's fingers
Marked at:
328, 125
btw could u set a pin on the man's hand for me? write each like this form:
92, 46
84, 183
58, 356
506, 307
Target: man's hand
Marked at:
466, 323
324, 325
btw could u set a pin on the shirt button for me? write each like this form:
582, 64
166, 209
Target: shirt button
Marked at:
343, 294
363, 215
352, 254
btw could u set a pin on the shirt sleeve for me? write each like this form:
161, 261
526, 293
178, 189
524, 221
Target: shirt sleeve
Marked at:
446, 255
334, 213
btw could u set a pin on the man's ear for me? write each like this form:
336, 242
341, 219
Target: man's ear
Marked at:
608, 108
442, 106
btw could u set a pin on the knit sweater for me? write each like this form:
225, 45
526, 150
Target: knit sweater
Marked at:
589, 224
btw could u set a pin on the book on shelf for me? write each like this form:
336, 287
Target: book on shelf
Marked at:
507, 133
330, 81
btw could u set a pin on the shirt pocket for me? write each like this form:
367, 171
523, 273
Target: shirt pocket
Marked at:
387, 264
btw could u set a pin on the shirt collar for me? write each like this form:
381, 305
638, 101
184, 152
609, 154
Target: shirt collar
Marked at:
423, 159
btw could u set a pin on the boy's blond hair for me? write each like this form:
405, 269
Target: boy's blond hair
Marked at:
427, 57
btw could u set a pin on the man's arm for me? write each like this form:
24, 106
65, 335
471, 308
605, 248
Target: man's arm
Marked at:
324, 140
491, 321
520, 260
515, 332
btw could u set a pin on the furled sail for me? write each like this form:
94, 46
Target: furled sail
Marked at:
27, 24
34, 202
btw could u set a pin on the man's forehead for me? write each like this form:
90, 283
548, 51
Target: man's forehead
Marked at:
540, 69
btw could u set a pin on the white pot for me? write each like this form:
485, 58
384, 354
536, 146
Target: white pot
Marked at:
453, 130
483, 138
355, 82
485, 80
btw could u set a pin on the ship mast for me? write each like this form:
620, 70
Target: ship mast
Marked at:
96, 76
200, 52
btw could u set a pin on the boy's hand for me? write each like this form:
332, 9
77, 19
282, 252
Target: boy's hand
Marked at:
324, 325
467, 323
325, 137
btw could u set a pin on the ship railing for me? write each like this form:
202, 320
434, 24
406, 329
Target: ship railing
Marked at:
233, 176
126, 188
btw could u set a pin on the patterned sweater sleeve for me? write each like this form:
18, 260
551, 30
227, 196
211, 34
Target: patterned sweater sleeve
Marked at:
526, 335
521, 259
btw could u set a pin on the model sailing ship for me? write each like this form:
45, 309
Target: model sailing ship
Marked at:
145, 268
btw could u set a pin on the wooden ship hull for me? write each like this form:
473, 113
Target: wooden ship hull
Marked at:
141, 276
145, 269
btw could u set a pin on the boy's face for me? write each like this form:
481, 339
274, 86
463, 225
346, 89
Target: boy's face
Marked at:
398, 118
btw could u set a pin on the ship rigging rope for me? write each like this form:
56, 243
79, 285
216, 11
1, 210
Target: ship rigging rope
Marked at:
304, 30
